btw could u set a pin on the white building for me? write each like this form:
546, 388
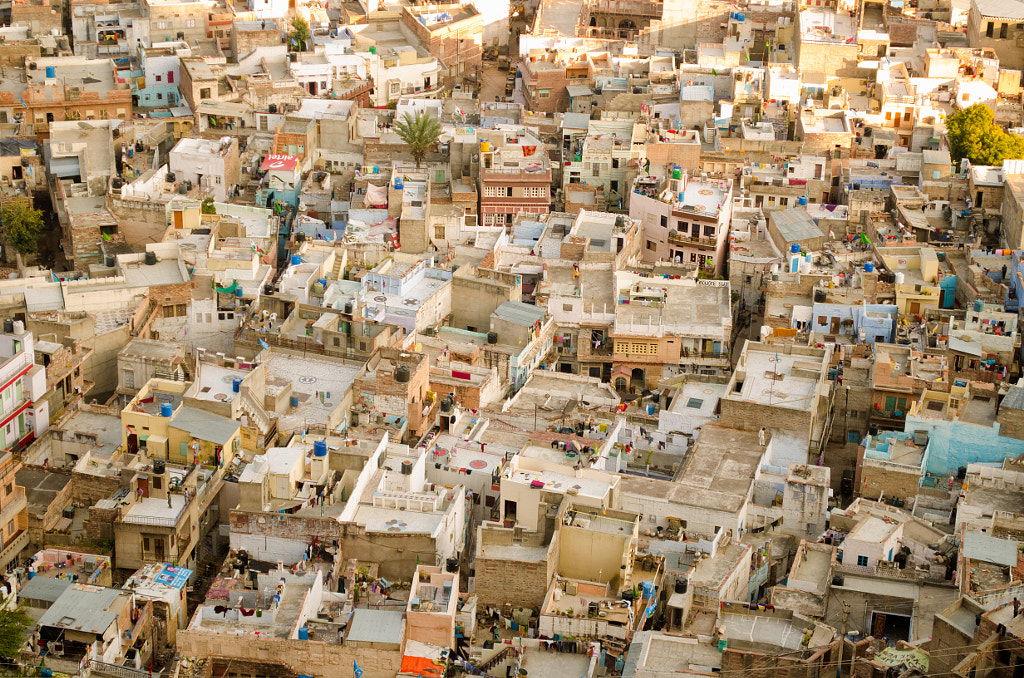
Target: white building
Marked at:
23, 413
214, 165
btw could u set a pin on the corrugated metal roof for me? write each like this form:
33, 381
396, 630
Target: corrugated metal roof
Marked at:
83, 608
1014, 399
519, 313
989, 549
44, 588
1011, 9
795, 225
205, 425
963, 346
376, 626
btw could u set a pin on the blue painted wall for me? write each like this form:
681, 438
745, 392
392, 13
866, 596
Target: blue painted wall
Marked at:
956, 443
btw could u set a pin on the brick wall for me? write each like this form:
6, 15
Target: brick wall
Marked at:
880, 478
311, 657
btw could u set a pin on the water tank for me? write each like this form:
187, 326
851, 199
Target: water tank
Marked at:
294, 401
171, 178
51, 72
348, 307
320, 448
236, 384
869, 267
802, 201
150, 258
485, 146
451, 565
872, 430
820, 296
838, 579
681, 585
239, 292
492, 337
402, 374
109, 260
961, 473
794, 248
406, 468
399, 183
166, 409
19, 327
303, 633
159, 466
373, 49
296, 259
182, 189
300, 237
272, 108
268, 289
8, 326
740, 16
677, 172
979, 305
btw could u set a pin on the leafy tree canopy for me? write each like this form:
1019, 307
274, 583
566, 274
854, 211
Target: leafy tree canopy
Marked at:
21, 224
13, 625
973, 134
299, 35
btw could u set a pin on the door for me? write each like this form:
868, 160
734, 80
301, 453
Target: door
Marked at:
896, 119
878, 628
834, 326
914, 307
158, 545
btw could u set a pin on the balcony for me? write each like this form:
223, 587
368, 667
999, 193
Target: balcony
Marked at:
14, 547
13, 507
679, 239
627, 7
538, 174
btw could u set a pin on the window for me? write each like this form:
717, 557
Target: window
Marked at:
158, 482
664, 221
439, 232
853, 414
508, 191
8, 489
170, 77
567, 308
145, 543
160, 96
190, 23
158, 78
651, 245
543, 93
862, 561
10, 528
990, 29
709, 231
852, 436
935, 174
822, 320
693, 257
1002, 31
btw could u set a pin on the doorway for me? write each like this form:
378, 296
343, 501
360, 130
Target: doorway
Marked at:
889, 625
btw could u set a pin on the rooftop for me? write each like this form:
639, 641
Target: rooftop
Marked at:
767, 376
85, 608
720, 470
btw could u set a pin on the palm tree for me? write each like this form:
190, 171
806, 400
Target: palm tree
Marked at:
420, 132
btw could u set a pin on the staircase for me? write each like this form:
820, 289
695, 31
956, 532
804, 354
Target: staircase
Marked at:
255, 411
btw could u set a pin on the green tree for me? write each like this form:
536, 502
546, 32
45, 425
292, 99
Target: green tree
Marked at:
13, 625
420, 133
299, 35
208, 207
973, 134
20, 224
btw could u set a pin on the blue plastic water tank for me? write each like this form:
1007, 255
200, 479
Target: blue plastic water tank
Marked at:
794, 248
320, 448
51, 71
802, 201
236, 384
979, 305
296, 259
740, 16
238, 292
303, 633
294, 401
166, 409
869, 267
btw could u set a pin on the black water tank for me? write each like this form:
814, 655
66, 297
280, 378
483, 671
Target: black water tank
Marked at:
872, 430
109, 260
182, 188
451, 565
961, 472
150, 258
268, 289
159, 466
838, 579
406, 468
300, 237
492, 337
171, 178
272, 108
820, 296
402, 374
348, 307
681, 585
